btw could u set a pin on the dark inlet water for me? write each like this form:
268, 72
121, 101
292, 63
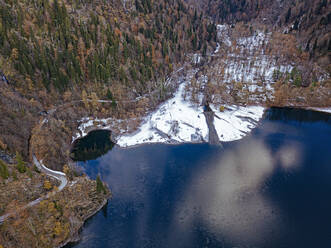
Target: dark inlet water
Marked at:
93, 146
271, 189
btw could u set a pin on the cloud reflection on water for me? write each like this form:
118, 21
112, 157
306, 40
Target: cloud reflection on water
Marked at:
262, 191
228, 198
226, 195
290, 156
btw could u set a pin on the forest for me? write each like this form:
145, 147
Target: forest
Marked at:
60, 44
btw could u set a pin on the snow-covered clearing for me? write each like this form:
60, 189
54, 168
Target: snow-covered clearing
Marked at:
236, 122
178, 120
174, 121
90, 123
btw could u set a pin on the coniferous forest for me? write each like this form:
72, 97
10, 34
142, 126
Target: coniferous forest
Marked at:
60, 44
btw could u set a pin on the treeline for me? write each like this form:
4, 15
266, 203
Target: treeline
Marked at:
58, 44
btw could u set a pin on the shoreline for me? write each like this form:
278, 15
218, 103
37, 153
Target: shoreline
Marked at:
326, 110
76, 236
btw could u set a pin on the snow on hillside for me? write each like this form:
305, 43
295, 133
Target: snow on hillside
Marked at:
223, 34
175, 121
235, 122
179, 121
244, 60
87, 124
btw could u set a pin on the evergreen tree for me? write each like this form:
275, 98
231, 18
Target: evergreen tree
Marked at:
3, 170
20, 163
100, 186
109, 95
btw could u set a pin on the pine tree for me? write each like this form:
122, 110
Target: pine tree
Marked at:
20, 163
109, 95
100, 186
3, 170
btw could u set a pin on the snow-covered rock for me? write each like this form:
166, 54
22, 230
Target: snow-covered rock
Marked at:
218, 46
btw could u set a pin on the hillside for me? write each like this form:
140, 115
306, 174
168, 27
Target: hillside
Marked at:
308, 20
57, 51
60, 45
56, 218
148, 71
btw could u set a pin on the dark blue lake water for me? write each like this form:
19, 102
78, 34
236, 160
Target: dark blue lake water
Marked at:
270, 189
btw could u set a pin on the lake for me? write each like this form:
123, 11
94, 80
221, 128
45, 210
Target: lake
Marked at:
270, 189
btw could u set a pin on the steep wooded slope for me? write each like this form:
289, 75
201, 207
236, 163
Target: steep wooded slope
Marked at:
61, 44
54, 51
309, 20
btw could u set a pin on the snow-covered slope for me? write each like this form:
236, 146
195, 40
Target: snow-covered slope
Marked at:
178, 120
174, 121
245, 59
181, 119
236, 122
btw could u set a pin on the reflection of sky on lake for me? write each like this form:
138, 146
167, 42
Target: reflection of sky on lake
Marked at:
228, 195
271, 189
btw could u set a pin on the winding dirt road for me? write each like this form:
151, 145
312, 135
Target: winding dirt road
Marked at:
55, 174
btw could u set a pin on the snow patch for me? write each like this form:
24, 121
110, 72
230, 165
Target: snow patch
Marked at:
196, 59
87, 123
179, 121
325, 110
175, 121
223, 35
218, 46
236, 121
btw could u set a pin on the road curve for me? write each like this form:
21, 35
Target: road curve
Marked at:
56, 174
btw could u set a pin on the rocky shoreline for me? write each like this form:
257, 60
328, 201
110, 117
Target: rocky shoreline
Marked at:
56, 220
76, 237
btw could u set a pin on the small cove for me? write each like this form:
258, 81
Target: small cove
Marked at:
270, 189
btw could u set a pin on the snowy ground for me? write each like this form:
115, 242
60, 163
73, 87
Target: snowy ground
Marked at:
244, 60
236, 122
175, 121
179, 121
326, 110
89, 124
